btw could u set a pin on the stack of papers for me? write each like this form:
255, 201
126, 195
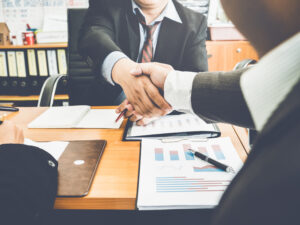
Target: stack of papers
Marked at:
172, 178
76, 117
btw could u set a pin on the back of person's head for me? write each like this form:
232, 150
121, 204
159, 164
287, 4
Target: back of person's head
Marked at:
265, 23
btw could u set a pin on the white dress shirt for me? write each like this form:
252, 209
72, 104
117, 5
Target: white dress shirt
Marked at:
109, 62
264, 86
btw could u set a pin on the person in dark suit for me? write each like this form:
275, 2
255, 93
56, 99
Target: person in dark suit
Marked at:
28, 182
265, 97
117, 34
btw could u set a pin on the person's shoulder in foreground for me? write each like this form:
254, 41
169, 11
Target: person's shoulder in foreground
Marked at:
28, 183
266, 97
266, 189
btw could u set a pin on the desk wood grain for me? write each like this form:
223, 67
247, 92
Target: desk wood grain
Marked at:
116, 179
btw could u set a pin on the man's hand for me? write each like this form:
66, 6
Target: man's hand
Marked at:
157, 72
11, 134
132, 114
139, 90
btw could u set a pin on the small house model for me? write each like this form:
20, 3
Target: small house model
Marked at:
4, 34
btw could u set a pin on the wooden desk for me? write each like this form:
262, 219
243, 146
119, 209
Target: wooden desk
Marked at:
115, 182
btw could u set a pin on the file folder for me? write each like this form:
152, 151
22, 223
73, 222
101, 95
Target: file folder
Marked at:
4, 84
12, 72
42, 62
52, 62
22, 74
62, 61
34, 82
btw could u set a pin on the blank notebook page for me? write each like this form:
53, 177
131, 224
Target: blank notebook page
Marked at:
61, 117
100, 118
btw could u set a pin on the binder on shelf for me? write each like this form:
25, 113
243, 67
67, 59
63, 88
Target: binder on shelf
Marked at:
12, 72
12, 64
22, 73
62, 61
42, 62
62, 66
4, 84
34, 83
52, 62
31, 58
3, 64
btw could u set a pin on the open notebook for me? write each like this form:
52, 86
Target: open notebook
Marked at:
76, 117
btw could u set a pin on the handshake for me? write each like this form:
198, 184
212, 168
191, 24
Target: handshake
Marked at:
142, 84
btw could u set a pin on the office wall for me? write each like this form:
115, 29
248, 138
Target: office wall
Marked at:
17, 13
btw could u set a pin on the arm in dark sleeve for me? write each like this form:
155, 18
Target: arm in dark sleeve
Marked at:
195, 55
97, 34
218, 97
28, 184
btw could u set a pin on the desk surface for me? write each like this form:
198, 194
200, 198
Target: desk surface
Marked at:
116, 179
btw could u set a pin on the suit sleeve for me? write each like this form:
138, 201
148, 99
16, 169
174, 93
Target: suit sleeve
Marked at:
195, 55
218, 97
28, 184
97, 35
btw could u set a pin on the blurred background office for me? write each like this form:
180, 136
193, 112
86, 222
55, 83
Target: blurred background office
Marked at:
38, 40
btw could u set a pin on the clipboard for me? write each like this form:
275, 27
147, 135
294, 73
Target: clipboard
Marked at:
199, 134
77, 167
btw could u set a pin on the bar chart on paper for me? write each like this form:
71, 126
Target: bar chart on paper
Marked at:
185, 184
171, 177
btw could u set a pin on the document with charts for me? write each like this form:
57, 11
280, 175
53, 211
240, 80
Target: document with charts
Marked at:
170, 126
172, 178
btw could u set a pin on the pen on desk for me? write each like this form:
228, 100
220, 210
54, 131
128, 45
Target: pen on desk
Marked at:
9, 109
121, 114
212, 161
2, 118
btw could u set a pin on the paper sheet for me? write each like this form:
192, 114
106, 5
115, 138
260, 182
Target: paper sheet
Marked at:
100, 118
172, 124
77, 117
171, 177
17, 13
60, 117
54, 148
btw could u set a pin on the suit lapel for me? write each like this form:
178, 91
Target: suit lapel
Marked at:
168, 38
133, 34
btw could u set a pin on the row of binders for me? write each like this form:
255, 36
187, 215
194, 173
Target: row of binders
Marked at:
23, 72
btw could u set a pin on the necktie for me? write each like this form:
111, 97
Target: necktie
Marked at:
147, 51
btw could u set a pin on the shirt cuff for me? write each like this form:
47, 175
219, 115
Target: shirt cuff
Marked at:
108, 65
178, 90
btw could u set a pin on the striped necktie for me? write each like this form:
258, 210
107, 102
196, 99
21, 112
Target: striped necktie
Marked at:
147, 51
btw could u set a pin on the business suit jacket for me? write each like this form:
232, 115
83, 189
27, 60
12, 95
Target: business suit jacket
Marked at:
266, 190
28, 184
110, 25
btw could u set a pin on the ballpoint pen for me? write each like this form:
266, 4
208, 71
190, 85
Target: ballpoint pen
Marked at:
121, 114
2, 118
7, 108
212, 161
